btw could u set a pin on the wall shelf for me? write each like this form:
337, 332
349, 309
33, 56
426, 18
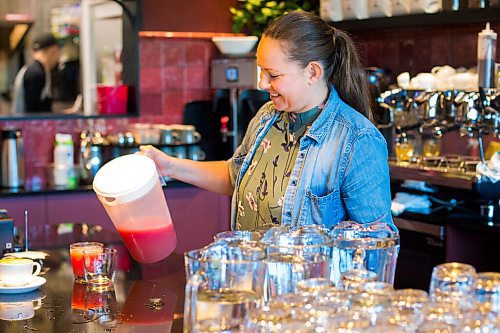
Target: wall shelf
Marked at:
419, 20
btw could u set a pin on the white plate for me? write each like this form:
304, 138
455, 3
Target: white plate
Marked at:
34, 255
37, 282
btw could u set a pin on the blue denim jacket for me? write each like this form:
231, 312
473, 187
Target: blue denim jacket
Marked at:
340, 173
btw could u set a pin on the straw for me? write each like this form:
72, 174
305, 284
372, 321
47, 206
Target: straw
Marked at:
26, 230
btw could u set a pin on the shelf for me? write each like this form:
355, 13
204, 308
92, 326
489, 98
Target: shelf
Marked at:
419, 20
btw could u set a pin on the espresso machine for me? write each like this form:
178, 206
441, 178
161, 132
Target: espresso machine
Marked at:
453, 180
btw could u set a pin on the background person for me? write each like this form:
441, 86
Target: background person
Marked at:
311, 155
33, 84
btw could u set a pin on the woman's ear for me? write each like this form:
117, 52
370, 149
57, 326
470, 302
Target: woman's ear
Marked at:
315, 72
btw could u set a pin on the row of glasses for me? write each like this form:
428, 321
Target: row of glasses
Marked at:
93, 264
296, 259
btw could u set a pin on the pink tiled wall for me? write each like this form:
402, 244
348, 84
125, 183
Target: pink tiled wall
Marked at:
173, 72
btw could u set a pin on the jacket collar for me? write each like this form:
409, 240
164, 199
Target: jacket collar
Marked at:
321, 126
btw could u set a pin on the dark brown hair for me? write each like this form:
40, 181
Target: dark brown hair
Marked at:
306, 37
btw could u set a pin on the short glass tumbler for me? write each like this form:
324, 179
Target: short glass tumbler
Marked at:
100, 268
76, 254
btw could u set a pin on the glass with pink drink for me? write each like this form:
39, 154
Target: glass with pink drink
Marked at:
129, 188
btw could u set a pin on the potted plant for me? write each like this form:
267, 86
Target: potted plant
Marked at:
252, 16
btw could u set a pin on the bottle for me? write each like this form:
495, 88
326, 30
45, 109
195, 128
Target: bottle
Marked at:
63, 160
486, 49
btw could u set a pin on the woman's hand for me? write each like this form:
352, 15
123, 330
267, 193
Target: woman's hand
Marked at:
164, 162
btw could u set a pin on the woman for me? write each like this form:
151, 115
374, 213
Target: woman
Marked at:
311, 155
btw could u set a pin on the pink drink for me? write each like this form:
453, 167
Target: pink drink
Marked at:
76, 256
149, 245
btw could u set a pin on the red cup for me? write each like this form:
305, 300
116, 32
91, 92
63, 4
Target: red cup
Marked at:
112, 99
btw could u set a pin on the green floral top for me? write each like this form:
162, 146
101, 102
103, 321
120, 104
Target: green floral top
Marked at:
263, 186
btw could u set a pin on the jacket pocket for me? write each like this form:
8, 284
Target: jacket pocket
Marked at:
325, 209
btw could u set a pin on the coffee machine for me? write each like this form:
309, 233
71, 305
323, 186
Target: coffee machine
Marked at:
235, 74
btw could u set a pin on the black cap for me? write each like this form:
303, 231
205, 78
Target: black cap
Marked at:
43, 41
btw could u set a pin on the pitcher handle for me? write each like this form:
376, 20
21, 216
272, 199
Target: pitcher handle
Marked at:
191, 293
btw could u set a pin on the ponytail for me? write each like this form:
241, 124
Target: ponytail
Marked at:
348, 76
307, 38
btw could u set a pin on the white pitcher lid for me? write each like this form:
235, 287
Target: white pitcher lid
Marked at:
126, 178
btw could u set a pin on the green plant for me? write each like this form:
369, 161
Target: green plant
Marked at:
252, 16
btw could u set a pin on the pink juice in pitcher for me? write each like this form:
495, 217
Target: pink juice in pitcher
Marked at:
149, 245
130, 191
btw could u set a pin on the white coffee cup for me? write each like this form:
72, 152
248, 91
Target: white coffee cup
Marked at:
443, 72
425, 81
18, 271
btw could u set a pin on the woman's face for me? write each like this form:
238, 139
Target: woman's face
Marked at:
286, 82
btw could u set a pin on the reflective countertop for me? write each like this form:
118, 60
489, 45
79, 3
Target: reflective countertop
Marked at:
145, 298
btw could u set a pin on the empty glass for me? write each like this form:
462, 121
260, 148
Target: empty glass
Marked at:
377, 288
314, 285
487, 291
100, 268
370, 246
225, 280
240, 235
453, 282
353, 279
295, 254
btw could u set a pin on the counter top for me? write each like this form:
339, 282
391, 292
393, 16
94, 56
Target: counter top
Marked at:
21, 191
62, 305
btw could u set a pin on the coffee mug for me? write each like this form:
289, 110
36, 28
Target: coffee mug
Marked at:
443, 72
18, 272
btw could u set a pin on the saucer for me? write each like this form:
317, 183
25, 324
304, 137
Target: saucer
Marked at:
37, 282
33, 255
24, 297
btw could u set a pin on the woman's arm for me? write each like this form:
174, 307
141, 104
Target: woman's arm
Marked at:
211, 176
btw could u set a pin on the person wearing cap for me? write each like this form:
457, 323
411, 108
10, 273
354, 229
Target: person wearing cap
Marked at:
32, 86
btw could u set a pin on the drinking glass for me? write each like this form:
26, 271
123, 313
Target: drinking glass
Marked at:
377, 288
453, 282
431, 147
99, 268
240, 235
435, 327
487, 291
76, 255
475, 321
410, 298
441, 312
406, 319
355, 278
348, 322
314, 285
364, 246
294, 254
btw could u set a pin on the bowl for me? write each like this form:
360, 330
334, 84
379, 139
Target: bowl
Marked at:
236, 44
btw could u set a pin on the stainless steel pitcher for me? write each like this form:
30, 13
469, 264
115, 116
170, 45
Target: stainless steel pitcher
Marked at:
12, 161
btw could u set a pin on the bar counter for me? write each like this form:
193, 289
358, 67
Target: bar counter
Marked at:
145, 298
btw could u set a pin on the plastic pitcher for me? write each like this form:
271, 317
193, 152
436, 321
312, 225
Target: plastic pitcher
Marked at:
225, 280
129, 189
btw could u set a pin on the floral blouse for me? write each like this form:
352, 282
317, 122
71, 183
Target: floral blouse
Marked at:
263, 186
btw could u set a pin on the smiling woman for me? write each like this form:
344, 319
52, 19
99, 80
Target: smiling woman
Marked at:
87, 58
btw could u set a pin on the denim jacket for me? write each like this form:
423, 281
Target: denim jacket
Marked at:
340, 173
